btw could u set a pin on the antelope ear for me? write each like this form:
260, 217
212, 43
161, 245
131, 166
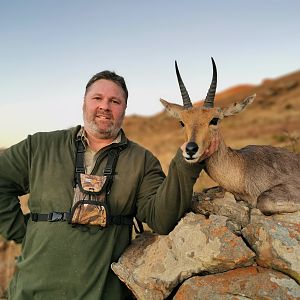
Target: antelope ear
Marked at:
173, 109
237, 107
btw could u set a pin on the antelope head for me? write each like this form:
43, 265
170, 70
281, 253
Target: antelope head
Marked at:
201, 123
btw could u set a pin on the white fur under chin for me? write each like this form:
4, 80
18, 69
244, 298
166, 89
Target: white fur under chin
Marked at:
191, 161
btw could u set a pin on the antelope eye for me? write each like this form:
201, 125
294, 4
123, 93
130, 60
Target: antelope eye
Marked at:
181, 123
214, 121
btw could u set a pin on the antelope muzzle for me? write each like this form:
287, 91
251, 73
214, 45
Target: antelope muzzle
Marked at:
191, 149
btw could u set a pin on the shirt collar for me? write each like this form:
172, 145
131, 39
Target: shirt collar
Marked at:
82, 134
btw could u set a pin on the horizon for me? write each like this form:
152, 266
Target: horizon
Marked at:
50, 50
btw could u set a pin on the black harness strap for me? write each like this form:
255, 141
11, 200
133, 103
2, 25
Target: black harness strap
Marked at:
112, 159
64, 216
79, 162
121, 220
109, 170
51, 217
113, 156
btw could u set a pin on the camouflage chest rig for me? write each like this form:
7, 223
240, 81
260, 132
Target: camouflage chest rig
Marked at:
90, 206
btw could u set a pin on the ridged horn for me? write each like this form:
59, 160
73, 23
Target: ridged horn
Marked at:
184, 94
210, 97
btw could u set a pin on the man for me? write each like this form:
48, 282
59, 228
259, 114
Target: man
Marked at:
68, 261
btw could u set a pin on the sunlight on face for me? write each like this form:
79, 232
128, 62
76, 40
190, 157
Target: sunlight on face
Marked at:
104, 109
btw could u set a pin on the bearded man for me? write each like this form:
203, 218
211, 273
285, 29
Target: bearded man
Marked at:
86, 184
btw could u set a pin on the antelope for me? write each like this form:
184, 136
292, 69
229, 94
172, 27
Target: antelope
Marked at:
265, 177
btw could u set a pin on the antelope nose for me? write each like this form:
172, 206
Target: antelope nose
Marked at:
191, 148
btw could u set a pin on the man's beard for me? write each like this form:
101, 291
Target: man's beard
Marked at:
108, 133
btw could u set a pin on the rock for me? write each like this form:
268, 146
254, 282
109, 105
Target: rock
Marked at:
243, 283
293, 218
197, 245
218, 202
276, 243
128, 263
8, 253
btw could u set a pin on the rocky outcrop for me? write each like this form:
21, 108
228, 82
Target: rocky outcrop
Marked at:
222, 250
243, 283
276, 244
196, 245
8, 253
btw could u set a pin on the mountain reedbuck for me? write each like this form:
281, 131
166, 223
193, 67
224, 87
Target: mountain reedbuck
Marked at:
265, 177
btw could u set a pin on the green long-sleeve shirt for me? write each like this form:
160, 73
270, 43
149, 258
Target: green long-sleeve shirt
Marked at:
62, 262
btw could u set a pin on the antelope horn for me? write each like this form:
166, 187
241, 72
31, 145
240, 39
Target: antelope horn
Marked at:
184, 94
210, 97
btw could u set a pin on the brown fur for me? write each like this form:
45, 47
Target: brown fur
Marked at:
265, 177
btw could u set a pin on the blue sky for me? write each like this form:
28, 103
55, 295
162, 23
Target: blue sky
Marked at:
50, 49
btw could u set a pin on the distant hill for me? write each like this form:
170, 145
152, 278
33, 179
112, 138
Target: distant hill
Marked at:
273, 118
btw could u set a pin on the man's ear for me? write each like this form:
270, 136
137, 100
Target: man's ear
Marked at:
173, 109
235, 108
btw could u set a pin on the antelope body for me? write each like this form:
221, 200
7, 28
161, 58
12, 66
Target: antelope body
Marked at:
265, 177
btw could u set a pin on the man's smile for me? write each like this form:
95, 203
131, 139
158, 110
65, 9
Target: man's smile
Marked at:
103, 117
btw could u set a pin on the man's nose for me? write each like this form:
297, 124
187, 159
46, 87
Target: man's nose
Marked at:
104, 104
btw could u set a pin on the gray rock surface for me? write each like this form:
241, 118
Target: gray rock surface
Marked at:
221, 250
276, 244
196, 245
244, 283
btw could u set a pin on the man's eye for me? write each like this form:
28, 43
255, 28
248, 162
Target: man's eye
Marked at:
181, 123
115, 101
214, 121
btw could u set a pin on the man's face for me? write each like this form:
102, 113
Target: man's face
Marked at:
104, 109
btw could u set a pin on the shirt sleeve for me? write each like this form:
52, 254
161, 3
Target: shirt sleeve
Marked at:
161, 200
14, 182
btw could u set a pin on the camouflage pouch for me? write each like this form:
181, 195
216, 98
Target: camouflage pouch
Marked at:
89, 205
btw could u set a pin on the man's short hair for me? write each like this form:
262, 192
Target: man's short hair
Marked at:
112, 76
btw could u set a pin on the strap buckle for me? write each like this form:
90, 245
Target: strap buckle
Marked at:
34, 217
107, 171
55, 216
79, 170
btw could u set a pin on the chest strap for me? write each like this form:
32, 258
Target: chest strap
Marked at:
51, 217
64, 216
112, 159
